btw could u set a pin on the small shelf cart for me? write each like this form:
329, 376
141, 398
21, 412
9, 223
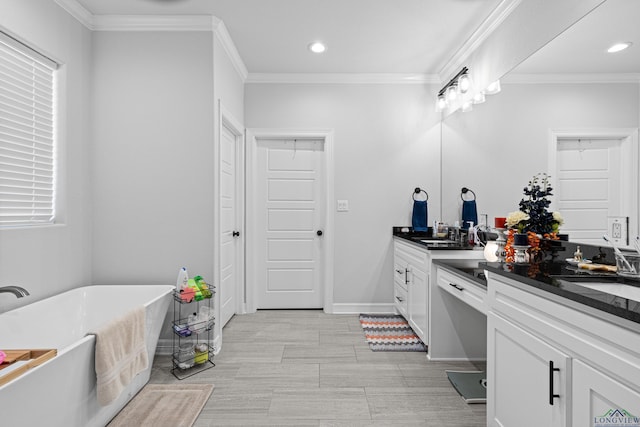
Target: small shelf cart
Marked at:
192, 335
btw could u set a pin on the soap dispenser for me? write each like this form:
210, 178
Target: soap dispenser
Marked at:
577, 255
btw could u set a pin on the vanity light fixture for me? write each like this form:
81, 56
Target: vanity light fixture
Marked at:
317, 47
460, 93
449, 94
619, 47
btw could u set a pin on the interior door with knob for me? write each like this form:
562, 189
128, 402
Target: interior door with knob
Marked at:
230, 250
290, 198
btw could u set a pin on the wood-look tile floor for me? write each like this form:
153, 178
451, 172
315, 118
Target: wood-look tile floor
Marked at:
307, 368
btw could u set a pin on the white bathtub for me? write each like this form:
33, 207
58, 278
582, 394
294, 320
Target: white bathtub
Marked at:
62, 391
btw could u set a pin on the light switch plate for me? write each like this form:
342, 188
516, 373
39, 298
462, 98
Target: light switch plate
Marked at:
343, 205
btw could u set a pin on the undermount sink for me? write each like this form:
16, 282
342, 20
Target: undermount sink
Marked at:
437, 241
618, 289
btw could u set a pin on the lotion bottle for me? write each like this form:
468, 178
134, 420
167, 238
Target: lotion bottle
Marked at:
183, 279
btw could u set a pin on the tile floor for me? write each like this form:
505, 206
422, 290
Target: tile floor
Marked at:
307, 368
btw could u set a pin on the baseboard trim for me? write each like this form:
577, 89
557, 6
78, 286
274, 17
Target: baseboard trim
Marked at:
356, 308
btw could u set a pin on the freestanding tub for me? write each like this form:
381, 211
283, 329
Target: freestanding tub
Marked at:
62, 391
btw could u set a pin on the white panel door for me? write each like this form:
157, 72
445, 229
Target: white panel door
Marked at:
588, 186
230, 244
289, 200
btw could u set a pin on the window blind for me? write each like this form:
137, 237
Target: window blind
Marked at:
27, 166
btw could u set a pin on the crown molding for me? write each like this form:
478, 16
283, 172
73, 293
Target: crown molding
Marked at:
341, 78
493, 21
570, 78
78, 11
220, 30
152, 23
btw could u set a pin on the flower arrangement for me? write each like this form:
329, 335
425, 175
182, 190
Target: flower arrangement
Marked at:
536, 207
534, 217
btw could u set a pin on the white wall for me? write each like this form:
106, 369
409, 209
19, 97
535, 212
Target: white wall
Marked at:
387, 142
49, 260
497, 148
152, 164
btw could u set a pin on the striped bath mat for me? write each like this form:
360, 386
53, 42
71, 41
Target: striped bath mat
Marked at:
390, 332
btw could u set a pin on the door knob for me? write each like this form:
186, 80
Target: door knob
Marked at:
319, 232
235, 233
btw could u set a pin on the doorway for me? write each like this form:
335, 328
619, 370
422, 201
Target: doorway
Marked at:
596, 183
289, 225
230, 198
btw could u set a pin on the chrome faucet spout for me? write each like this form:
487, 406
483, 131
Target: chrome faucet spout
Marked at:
16, 290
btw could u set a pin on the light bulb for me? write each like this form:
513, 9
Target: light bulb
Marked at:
441, 103
467, 106
493, 88
478, 98
464, 83
452, 93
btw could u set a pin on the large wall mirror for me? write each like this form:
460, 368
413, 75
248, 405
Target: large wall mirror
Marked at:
571, 110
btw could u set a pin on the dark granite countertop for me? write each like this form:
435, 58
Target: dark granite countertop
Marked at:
475, 274
559, 278
417, 237
551, 274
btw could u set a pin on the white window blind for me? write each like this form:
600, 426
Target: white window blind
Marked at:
27, 168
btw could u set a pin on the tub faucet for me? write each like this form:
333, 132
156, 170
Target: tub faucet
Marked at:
16, 290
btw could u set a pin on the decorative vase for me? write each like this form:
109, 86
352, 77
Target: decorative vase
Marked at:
521, 239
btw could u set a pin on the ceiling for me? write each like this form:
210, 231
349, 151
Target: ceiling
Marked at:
581, 49
362, 36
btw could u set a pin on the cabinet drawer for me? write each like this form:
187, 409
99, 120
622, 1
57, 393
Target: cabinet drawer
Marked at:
400, 299
463, 289
400, 274
405, 253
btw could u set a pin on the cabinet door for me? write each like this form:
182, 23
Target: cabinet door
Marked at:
418, 286
524, 374
600, 400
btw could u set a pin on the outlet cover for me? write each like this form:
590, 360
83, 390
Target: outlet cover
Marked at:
618, 229
343, 206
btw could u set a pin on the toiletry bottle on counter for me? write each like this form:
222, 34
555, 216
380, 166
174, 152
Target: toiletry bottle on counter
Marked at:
183, 279
577, 255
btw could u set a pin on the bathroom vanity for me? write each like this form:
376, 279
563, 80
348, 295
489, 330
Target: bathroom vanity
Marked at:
563, 348
562, 344
416, 293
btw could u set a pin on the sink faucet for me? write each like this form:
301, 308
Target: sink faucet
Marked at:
16, 290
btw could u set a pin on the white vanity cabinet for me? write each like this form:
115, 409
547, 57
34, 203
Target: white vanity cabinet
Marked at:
556, 362
414, 281
411, 268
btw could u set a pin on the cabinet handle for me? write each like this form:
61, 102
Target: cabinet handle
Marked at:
399, 299
458, 287
406, 276
551, 371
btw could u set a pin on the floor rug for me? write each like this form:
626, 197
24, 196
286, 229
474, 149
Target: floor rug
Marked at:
175, 405
390, 332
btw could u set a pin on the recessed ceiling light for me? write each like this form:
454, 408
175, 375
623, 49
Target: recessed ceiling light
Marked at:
618, 47
317, 47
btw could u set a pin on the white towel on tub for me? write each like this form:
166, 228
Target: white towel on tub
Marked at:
121, 353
